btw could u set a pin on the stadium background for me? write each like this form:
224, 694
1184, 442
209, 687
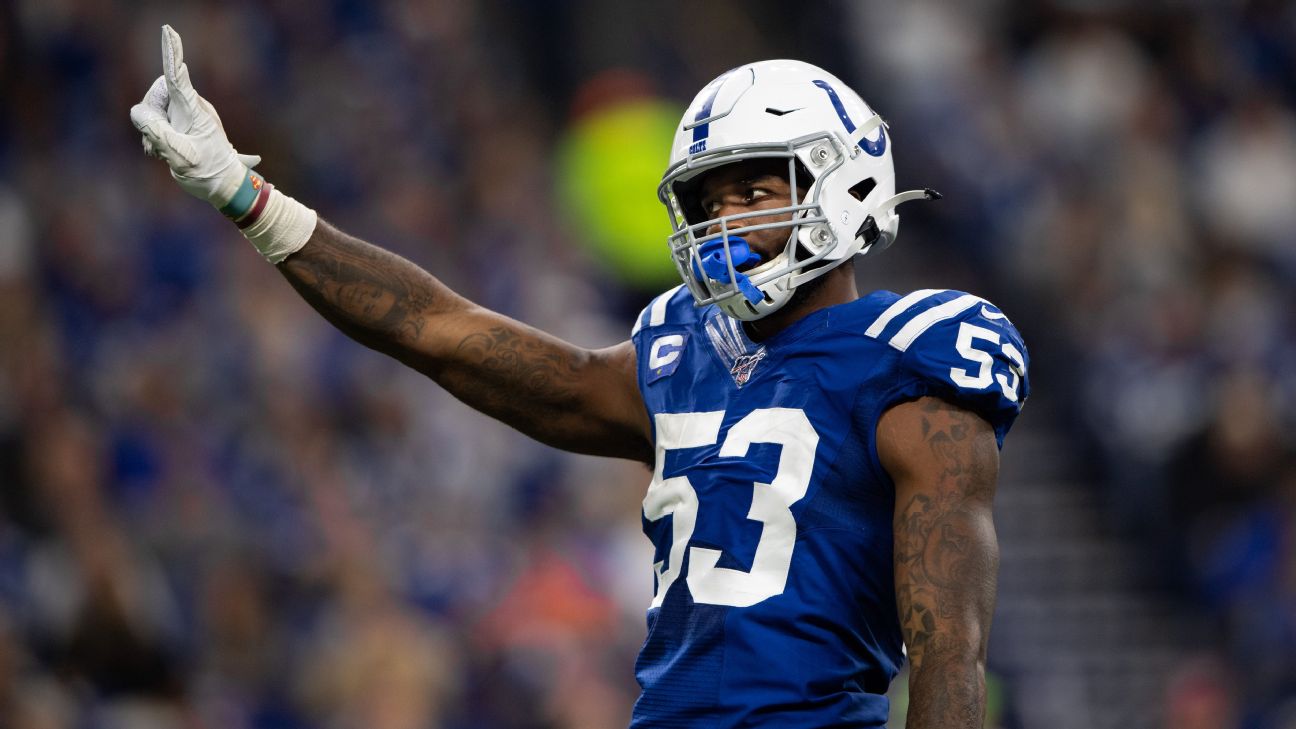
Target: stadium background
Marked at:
217, 512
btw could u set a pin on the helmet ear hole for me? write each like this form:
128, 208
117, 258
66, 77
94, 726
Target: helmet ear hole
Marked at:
861, 189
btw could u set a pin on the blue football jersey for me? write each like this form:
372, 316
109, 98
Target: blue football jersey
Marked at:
768, 510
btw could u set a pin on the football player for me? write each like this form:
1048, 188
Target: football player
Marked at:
823, 463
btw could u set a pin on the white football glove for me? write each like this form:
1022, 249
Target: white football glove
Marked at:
182, 128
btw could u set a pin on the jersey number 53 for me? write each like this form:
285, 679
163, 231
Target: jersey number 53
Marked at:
771, 503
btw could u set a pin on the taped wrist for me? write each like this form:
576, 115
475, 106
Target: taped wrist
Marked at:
276, 224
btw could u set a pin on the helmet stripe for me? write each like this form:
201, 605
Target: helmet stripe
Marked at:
701, 130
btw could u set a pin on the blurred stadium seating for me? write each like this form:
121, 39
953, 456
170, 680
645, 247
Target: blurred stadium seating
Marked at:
215, 511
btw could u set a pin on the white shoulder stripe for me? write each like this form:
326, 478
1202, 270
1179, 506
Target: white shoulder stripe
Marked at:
658, 307
924, 321
655, 312
898, 308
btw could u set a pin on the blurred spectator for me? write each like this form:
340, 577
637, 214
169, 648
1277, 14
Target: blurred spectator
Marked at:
1202, 696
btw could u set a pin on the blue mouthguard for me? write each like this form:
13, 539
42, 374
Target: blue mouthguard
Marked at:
712, 255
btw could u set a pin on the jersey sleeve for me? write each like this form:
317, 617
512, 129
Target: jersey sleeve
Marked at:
962, 349
660, 335
658, 311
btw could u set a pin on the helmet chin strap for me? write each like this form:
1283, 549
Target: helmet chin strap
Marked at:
869, 228
924, 194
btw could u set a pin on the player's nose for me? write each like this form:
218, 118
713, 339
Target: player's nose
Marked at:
730, 225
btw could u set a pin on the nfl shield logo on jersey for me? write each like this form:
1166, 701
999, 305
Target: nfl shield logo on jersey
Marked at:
745, 365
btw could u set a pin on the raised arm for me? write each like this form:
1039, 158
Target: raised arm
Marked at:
944, 462
578, 399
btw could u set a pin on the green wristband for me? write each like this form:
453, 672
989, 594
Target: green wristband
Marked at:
249, 200
244, 197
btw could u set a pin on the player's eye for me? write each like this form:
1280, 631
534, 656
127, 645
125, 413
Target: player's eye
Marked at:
742, 196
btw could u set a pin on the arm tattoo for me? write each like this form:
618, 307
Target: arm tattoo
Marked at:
371, 294
946, 562
532, 370
552, 391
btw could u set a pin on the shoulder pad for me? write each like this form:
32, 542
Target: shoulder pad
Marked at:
657, 312
959, 347
908, 317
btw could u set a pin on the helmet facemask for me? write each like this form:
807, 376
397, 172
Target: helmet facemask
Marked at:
810, 239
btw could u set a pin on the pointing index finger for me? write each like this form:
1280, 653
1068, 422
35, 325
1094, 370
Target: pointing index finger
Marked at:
175, 71
172, 52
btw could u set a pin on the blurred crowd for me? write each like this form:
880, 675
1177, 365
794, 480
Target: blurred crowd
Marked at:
1125, 176
215, 511
1129, 176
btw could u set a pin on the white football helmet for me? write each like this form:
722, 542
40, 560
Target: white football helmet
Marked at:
835, 146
